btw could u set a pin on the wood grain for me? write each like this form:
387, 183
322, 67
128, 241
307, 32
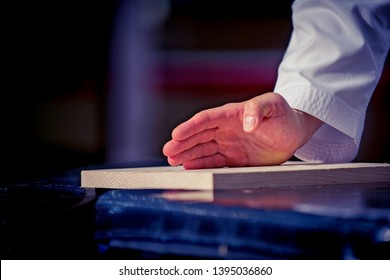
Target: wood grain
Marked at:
285, 175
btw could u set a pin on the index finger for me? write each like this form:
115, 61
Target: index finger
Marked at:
204, 120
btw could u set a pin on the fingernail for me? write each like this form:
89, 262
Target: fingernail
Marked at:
249, 123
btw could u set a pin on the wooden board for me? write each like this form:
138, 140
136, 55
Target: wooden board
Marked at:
288, 174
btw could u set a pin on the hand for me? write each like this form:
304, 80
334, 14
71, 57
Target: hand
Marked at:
264, 130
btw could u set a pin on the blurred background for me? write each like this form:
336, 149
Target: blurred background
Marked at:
97, 82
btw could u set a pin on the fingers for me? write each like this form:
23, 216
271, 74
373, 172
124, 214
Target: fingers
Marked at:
213, 161
175, 147
199, 151
204, 120
195, 137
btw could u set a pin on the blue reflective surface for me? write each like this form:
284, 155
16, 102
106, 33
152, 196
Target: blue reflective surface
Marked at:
55, 218
332, 222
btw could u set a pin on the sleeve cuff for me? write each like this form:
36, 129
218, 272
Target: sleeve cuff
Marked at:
338, 139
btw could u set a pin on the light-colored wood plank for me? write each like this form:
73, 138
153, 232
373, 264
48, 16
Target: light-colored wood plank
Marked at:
288, 174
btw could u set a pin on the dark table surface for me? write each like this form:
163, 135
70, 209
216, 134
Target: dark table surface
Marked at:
54, 218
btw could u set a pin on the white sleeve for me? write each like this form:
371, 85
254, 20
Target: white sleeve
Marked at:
330, 69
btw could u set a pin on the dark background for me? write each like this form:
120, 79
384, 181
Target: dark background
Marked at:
57, 68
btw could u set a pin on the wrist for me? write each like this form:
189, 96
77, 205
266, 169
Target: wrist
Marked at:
309, 124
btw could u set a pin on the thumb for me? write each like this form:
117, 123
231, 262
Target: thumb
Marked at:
254, 111
252, 116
